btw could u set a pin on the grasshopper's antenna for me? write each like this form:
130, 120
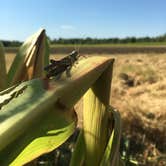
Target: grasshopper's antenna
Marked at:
77, 46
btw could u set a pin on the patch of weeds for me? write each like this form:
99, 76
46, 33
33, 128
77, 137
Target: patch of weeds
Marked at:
129, 68
141, 74
149, 75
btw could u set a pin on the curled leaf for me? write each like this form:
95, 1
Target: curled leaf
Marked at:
30, 59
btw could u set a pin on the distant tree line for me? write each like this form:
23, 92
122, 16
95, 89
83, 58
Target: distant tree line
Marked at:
13, 43
89, 40
126, 40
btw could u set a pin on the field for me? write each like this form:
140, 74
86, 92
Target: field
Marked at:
139, 93
104, 48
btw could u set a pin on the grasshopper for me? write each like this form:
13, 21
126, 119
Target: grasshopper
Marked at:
57, 67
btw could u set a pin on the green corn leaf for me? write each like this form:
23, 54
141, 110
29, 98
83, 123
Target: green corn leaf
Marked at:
20, 109
106, 157
33, 95
115, 156
111, 155
95, 127
42, 137
92, 142
95, 117
30, 103
30, 59
79, 151
3, 74
18, 116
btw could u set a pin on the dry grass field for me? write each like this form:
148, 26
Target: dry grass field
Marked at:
139, 93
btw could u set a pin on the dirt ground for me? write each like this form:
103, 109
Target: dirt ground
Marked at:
139, 93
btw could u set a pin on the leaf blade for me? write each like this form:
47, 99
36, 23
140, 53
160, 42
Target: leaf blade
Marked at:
30, 59
47, 134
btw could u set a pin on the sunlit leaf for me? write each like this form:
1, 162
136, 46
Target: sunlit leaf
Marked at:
30, 59
95, 117
111, 155
78, 155
42, 137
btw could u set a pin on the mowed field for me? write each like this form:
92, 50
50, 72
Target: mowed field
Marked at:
139, 93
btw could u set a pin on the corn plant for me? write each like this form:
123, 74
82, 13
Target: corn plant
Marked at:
37, 115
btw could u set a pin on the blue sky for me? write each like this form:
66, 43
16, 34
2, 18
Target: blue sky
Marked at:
82, 18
